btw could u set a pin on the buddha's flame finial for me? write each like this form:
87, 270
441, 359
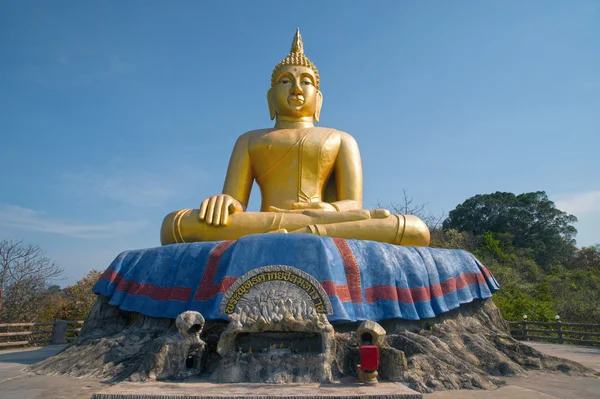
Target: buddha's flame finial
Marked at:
297, 46
296, 57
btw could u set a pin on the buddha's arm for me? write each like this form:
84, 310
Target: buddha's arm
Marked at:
215, 210
238, 181
348, 175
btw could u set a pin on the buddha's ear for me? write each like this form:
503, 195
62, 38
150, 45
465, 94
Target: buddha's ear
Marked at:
271, 105
319, 105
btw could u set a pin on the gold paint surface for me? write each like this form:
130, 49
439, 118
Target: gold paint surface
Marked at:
310, 178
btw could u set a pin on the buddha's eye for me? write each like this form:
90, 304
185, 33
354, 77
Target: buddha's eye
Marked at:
284, 81
306, 82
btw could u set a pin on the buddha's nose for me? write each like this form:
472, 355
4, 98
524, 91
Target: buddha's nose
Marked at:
296, 89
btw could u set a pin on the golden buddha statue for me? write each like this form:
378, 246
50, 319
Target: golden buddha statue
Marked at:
310, 177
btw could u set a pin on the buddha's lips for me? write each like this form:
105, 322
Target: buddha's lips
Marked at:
295, 100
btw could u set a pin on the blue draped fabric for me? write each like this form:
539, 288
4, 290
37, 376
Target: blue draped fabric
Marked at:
364, 279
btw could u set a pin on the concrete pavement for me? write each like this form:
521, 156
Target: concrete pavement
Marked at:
17, 384
541, 384
12, 361
536, 385
205, 390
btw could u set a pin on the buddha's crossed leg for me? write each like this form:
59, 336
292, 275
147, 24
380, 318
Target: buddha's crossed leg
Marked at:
375, 225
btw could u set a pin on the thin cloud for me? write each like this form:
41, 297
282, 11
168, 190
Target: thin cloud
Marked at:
120, 182
136, 189
31, 220
586, 202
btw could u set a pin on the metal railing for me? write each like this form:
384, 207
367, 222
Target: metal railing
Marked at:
555, 331
64, 331
54, 333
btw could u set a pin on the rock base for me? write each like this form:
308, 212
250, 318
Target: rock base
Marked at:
467, 348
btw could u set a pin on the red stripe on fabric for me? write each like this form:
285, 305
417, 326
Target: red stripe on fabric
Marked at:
112, 277
164, 294
212, 290
351, 268
419, 294
341, 291
485, 271
372, 294
225, 284
107, 275
205, 287
329, 287
153, 291
124, 285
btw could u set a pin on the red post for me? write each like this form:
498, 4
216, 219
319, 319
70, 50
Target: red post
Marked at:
369, 358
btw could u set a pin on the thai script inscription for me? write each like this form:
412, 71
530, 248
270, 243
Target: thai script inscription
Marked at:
287, 276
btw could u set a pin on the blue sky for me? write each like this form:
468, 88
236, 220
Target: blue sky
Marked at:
115, 113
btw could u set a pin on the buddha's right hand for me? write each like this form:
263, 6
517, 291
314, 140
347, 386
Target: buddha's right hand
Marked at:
215, 210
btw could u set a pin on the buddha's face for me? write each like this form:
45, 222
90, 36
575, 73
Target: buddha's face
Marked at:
295, 94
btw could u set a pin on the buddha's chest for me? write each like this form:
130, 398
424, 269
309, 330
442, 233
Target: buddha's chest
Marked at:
287, 151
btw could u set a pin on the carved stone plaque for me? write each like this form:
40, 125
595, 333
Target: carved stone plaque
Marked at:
275, 292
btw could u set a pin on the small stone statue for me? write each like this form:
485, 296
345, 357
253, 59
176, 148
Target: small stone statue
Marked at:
169, 354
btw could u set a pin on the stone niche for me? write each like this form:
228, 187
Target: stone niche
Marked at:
278, 330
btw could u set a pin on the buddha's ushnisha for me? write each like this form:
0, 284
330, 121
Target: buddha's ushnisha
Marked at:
310, 178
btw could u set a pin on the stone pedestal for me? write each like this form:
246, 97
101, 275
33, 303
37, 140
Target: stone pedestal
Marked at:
296, 319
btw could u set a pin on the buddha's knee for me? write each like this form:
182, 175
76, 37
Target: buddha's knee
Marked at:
415, 232
166, 230
170, 231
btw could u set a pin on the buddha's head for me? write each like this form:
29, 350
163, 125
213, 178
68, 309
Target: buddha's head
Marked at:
294, 92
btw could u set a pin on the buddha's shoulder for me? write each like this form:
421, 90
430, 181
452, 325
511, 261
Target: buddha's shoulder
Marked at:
342, 135
318, 130
330, 130
246, 137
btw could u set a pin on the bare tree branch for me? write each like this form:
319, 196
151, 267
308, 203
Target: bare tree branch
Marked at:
24, 274
406, 206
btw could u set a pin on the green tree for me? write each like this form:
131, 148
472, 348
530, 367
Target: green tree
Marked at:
531, 220
77, 299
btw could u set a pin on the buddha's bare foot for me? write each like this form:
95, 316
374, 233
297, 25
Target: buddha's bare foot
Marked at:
379, 213
326, 217
281, 210
278, 231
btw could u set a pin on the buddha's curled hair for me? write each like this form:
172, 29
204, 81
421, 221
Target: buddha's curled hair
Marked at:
296, 57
